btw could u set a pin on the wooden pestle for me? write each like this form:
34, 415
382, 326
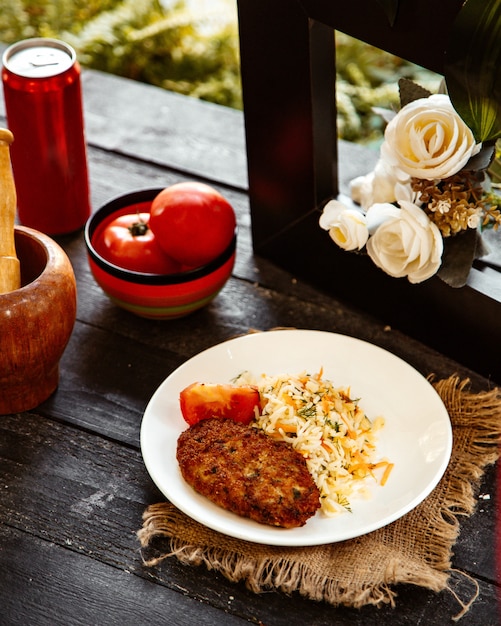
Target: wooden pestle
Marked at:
10, 271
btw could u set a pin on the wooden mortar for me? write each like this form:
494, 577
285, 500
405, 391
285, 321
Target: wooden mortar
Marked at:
36, 322
37, 302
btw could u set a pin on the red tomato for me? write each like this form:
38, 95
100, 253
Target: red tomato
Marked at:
201, 401
129, 242
193, 222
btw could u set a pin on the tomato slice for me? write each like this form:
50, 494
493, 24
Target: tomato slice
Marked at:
205, 400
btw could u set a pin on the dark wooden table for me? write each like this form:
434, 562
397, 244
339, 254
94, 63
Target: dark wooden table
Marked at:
73, 485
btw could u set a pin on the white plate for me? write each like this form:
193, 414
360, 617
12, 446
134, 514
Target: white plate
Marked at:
417, 436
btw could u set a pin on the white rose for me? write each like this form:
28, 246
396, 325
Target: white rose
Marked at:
347, 227
407, 245
379, 213
428, 139
378, 186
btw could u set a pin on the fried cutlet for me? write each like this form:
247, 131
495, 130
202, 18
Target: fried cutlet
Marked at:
244, 471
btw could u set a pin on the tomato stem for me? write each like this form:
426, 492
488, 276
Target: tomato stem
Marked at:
139, 228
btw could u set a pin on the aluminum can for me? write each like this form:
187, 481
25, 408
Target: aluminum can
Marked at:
43, 101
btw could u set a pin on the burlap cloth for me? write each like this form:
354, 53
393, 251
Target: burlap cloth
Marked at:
416, 549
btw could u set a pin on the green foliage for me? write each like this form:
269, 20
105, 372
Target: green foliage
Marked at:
173, 49
367, 80
139, 39
21, 19
473, 67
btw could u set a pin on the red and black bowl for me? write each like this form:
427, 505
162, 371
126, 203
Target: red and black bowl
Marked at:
155, 296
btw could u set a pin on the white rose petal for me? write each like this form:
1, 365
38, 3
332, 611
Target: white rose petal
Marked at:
378, 186
330, 213
428, 139
361, 189
379, 213
347, 227
408, 244
404, 192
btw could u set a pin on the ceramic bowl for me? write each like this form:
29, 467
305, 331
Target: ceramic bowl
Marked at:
154, 296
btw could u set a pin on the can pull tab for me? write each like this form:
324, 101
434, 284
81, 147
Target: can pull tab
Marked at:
43, 60
10, 271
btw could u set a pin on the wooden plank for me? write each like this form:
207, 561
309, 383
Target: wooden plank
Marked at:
70, 512
106, 387
469, 551
164, 127
56, 586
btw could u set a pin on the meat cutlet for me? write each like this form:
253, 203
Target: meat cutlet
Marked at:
244, 471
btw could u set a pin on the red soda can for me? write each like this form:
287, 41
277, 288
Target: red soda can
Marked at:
43, 100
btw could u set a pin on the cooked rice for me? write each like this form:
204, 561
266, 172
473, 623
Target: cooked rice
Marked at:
329, 429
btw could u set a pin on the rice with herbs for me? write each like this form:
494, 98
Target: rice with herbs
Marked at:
329, 429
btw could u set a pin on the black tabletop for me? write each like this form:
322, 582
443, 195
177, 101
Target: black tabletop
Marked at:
73, 483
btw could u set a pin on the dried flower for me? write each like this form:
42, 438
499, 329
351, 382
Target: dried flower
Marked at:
457, 203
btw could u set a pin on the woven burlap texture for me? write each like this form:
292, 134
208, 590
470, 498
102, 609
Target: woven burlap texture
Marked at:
416, 549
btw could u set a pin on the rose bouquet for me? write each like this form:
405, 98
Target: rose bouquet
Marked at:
422, 209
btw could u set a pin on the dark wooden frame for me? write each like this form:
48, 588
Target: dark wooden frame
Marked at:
288, 80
